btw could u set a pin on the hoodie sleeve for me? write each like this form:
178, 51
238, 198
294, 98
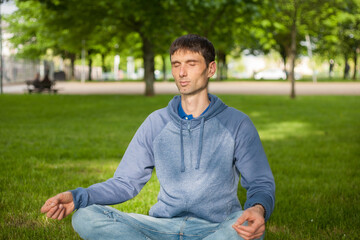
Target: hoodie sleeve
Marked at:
251, 161
133, 172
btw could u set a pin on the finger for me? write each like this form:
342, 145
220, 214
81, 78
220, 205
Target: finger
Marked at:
51, 202
258, 235
68, 210
251, 233
58, 211
46, 207
245, 235
52, 211
247, 228
241, 220
248, 232
255, 225
56, 214
235, 227
62, 214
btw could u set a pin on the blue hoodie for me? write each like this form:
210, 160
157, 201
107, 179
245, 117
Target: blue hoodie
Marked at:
198, 164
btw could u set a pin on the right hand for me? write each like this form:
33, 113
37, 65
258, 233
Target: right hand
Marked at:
60, 206
256, 223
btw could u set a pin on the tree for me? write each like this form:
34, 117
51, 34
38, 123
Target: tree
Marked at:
339, 35
253, 32
75, 25
28, 34
58, 25
213, 19
348, 32
291, 21
68, 24
150, 21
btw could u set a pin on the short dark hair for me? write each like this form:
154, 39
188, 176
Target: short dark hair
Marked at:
194, 43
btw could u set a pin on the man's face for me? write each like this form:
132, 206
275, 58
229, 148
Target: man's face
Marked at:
190, 72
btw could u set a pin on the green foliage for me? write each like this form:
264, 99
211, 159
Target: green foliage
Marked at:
340, 34
146, 29
53, 143
28, 34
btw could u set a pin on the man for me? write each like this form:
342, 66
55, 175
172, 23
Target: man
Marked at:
199, 147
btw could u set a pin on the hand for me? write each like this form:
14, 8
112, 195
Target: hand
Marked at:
256, 223
59, 207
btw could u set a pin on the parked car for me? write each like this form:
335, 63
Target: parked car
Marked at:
274, 74
270, 74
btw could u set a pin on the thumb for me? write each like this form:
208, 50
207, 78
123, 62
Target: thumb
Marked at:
243, 218
51, 202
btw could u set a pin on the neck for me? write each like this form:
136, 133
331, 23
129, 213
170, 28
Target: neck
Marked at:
195, 104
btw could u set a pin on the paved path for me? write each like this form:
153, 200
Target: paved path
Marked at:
246, 88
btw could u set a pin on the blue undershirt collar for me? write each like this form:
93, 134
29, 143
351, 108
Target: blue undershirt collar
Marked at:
183, 115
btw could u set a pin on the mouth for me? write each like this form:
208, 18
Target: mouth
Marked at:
184, 83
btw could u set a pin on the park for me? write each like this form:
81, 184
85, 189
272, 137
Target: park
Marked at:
51, 143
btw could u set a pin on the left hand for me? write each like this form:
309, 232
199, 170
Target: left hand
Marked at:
59, 207
256, 223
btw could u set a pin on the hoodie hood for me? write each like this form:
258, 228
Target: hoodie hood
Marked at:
216, 107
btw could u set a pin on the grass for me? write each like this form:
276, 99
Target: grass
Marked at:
302, 79
231, 79
53, 143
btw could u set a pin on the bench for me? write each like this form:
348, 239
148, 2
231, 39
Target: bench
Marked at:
39, 87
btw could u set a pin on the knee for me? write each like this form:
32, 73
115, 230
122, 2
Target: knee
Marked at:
84, 220
100, 222
79, 220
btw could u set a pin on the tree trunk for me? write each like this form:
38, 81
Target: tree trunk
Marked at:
90, 69
149, 66
292, 55
284, 54
346, 68
355, 64
164, 67
103, 67
222, 67
90, 65
72, 60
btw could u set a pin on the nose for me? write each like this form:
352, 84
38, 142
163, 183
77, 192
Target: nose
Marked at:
183, 72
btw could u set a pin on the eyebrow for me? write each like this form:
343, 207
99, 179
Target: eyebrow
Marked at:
187, 61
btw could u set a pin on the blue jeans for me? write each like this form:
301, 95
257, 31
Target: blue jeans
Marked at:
103, 222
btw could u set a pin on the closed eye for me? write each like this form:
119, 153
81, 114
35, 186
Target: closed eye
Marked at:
175, 64
192, 63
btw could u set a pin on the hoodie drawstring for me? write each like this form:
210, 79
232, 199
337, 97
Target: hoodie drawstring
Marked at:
182, 148
200, 143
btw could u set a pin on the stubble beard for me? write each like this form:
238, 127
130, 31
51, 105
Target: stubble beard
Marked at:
196, 91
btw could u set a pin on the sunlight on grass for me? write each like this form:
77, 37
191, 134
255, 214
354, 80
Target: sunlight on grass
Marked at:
144, 200
283, 130
255, 114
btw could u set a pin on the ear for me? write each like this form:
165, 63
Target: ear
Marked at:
211, 69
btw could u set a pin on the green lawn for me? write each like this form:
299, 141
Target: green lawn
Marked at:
321, 78
53, 143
